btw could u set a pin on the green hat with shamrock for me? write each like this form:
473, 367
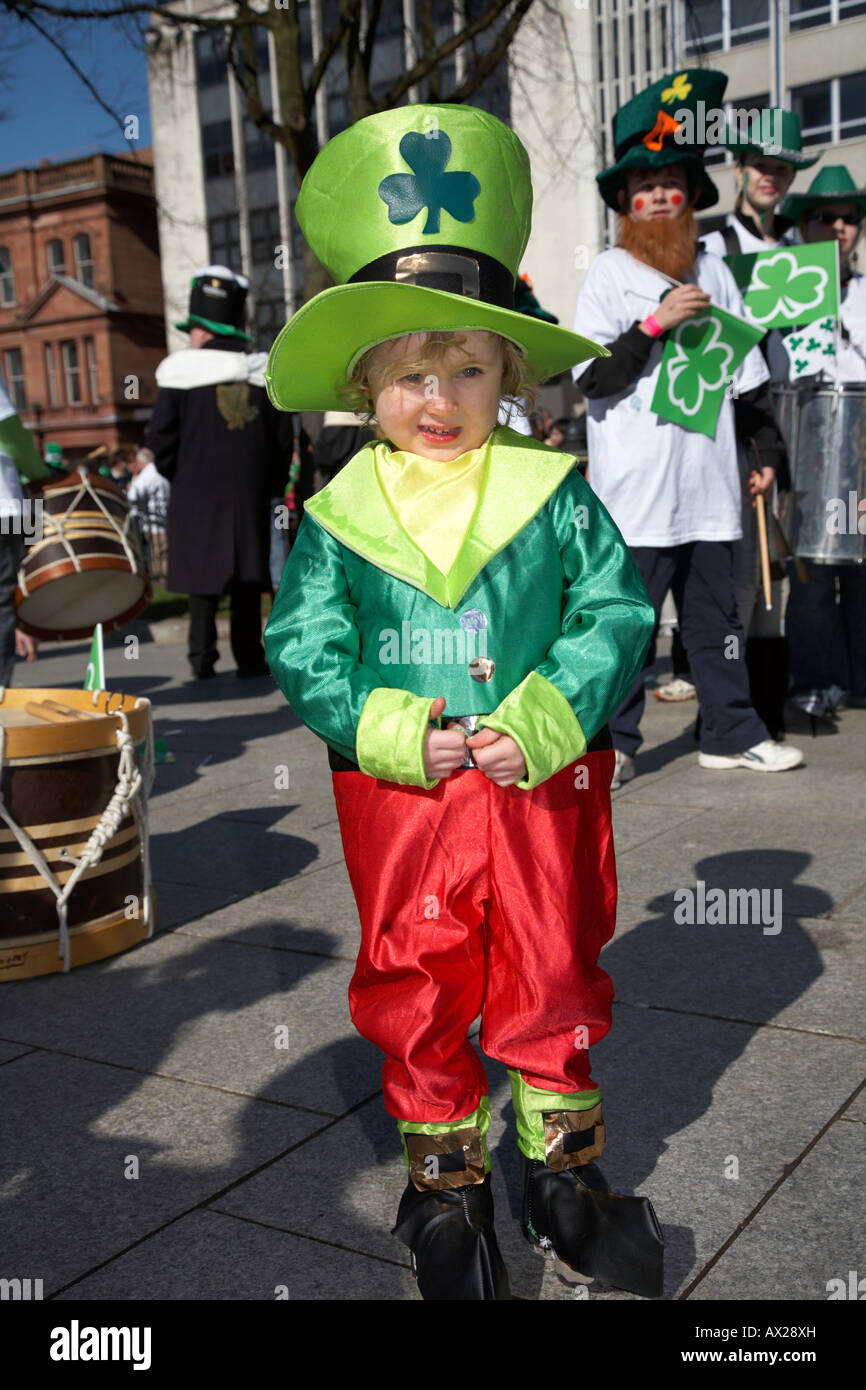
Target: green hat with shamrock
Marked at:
832, 184
421, 215
775, 134
664, 125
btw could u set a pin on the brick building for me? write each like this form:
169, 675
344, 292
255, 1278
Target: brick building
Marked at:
81, 309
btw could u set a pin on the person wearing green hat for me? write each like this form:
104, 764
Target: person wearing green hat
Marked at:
457, 578
767, 162
769, 153
818, 624
19, 462
226, 452
675, 493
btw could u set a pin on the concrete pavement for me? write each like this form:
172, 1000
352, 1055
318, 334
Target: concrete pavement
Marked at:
197, 1119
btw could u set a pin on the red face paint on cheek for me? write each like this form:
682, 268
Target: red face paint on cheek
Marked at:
638, 204
676, 199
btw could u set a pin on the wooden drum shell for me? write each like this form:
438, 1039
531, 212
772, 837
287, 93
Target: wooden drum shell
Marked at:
56, 782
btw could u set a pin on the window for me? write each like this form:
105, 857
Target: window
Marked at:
210, 57
51, 374
264, 234
83, 259
15, 378
711, 25
813, 104
832, 110
54, 253
71, 372
271, 316
216, 140
225, 241
260, 151
704, 25
805, 14
748, 21
852, 106
92, 374
7, 280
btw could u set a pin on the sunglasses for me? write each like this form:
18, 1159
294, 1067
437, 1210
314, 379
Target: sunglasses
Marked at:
827, 219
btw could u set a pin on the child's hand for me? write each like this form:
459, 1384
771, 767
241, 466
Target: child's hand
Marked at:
498, 757
444, 749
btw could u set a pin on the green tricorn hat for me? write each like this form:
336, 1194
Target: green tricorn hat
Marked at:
664, 125
217, 298
832, 184
776, 134
421, 215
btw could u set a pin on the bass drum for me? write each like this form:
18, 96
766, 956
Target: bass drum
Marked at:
87, 568
824, 428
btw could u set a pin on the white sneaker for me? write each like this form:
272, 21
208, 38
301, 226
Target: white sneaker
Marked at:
677, 689
623, 770
764, 757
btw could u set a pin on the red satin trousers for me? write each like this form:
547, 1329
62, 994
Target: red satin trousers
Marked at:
475, 898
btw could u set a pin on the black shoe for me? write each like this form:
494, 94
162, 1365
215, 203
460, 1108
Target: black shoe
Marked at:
574, 1215
454, 1251
205, 674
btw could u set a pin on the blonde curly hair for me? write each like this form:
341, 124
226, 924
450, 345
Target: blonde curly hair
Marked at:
368, 378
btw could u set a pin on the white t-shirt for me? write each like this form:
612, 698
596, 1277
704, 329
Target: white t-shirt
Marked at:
148, 495
662, 484
11, 493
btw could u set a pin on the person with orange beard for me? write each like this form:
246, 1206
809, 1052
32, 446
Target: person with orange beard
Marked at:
674, 493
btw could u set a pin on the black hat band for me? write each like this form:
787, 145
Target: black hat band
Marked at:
448, 268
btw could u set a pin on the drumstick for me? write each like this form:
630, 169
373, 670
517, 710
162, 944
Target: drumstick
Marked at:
765, 552
54, 716
56, 713
70, 710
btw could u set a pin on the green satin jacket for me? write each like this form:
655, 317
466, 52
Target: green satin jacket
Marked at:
543, 597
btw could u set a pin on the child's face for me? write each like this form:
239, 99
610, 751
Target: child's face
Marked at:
449, 405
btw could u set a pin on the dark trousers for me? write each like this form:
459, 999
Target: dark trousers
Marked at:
11, 551
245, 628
700, 577
826, 634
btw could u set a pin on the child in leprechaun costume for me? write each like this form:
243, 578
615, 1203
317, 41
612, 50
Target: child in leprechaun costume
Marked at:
455, 570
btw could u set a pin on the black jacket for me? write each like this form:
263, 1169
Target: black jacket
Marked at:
226, 451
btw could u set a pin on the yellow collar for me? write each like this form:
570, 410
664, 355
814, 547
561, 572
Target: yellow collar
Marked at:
521, 475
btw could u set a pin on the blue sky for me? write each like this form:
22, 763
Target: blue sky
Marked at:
49, 113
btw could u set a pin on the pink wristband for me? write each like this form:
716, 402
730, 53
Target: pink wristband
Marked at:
652, 326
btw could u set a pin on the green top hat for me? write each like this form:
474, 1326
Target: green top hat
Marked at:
52, 453
776, 135
216, 301
832, 184
648, 135
421, 214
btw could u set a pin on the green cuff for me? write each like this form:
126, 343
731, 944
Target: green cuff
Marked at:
543, 725
389, 742
530, 1104
479, 1119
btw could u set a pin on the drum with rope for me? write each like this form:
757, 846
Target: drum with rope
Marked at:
87, 568
75, 772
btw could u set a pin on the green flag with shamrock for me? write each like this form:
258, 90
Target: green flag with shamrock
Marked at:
698, 365
788, 286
